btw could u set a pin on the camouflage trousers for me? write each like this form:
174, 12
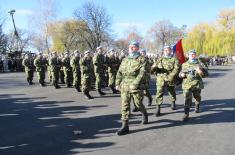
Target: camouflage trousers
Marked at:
29, 75
76, 79
99, 79
112, 78
189, 94
68, 75
147, 86
41, 76
126, 97
55, 77
161, 84
61, 76
49, 74
86, 84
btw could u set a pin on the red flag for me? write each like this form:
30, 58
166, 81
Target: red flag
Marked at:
179, 52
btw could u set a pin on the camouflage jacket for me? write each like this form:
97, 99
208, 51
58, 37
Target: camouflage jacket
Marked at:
99, 63
66, 64
55, 64
75, 64
28, 64
40, 64
192, 79
113, 64
166, 68
86, 67
131, 73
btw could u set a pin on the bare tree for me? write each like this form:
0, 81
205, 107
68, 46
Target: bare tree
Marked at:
3, 37
164, 32
42, 19
226, 18
97, 23
25, 38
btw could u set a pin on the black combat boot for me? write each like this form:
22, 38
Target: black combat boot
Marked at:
135, 109
56, 85
173, 106
87, 95
158, 111
144, 117
78, 88
100, 92
197, 108
114, 90
186, 114
124, 129
150, 101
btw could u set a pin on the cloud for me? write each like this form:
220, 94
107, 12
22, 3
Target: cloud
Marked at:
130, 24
24, 12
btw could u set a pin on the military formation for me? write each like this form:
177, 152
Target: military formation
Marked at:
126, 73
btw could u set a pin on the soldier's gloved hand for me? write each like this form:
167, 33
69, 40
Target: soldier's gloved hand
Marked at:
199, 71
182, 75
118, 88
132, 87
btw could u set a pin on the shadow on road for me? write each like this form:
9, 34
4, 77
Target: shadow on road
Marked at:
31, 126
221, 111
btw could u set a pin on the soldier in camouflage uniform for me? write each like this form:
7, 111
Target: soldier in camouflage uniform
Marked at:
49, 69
166, 69
29, 68
76, 70
113, 65
147, 77
129, 79
86, 71
67, 69
40, 69
61, 71
192, 73
55, 65
99, 69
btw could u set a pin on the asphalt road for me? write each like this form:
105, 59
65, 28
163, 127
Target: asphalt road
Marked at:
45, 121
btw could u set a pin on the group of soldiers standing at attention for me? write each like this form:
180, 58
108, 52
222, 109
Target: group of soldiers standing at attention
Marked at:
128, 75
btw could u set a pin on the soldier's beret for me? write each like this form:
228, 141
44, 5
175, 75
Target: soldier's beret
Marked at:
134, 43
76, 51
192, 52
111, 50
87, 52
167, 47
99, 47
143, 51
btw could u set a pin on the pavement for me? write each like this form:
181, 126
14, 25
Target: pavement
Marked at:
38, 120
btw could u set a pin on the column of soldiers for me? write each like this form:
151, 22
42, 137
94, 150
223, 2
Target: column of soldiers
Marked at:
77, 70
127, 74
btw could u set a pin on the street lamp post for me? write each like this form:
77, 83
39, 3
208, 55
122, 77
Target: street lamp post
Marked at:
16, 41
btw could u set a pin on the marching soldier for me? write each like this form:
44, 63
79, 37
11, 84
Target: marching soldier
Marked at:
67, 69
99, 69
129, 79
55, 65
61, 71
166, 69
192, 73
76, 70
40, 69
113, 65
147, 77
29, 68
86, 71
49, 69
